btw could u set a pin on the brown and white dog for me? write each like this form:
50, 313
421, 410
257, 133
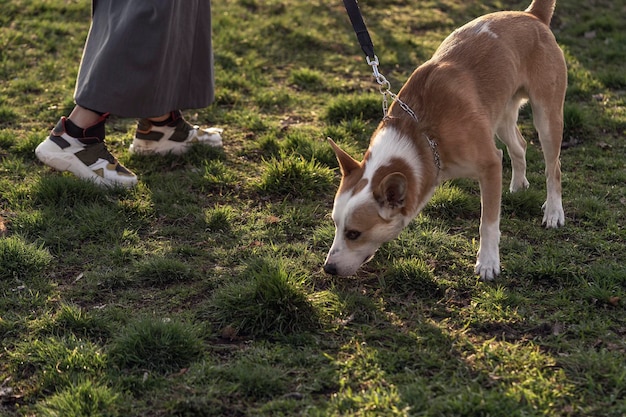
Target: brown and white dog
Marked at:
467, 93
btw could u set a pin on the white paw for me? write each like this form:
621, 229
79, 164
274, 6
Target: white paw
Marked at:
487, 272
488, 269
553, 215
517, 185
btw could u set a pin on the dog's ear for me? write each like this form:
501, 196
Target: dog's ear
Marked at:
347, 164
390, 194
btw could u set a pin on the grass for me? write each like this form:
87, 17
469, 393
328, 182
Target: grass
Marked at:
200, 292
158, 345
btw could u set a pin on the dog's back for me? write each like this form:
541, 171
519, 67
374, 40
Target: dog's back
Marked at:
521, 52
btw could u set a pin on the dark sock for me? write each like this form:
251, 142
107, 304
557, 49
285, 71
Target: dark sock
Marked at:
93, 132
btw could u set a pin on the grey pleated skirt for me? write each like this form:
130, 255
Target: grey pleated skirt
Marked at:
144, 58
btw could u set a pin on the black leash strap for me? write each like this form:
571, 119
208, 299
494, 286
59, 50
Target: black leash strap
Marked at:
352, 7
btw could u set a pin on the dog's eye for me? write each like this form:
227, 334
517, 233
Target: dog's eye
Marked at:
352, 234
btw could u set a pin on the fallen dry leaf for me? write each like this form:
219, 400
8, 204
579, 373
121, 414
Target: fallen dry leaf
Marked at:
272, 219
229, 333
3, 227
614, 301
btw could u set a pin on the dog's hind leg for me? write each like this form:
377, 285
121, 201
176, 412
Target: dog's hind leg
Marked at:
546, 93
510, 135
548, 120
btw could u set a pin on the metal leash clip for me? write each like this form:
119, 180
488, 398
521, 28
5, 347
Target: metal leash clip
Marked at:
384, 84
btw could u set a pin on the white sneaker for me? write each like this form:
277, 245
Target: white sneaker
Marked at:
176, 137
87, 158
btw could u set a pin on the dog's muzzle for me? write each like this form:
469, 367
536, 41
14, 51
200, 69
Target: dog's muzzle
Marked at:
332, 269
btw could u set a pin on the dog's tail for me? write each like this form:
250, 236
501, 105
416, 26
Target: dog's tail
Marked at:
543, 9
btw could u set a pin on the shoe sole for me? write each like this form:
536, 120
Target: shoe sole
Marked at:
50, 154
170, 147
137, 149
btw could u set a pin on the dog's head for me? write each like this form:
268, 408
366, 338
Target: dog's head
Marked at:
370, 209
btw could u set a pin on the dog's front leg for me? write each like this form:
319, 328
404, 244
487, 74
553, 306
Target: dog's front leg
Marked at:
490, 179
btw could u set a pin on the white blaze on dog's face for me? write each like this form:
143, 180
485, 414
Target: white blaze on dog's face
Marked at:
370, 208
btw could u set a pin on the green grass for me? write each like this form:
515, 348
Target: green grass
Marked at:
200, 292
157, 345
268, 301
84, 399
21, 260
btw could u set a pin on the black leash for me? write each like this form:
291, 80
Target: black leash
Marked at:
356, 18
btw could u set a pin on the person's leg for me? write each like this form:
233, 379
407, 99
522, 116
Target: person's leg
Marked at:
76, 144
160, 118
84, 117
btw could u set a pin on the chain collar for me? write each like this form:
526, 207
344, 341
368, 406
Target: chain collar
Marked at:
385, 90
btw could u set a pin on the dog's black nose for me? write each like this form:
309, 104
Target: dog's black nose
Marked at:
330, 269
